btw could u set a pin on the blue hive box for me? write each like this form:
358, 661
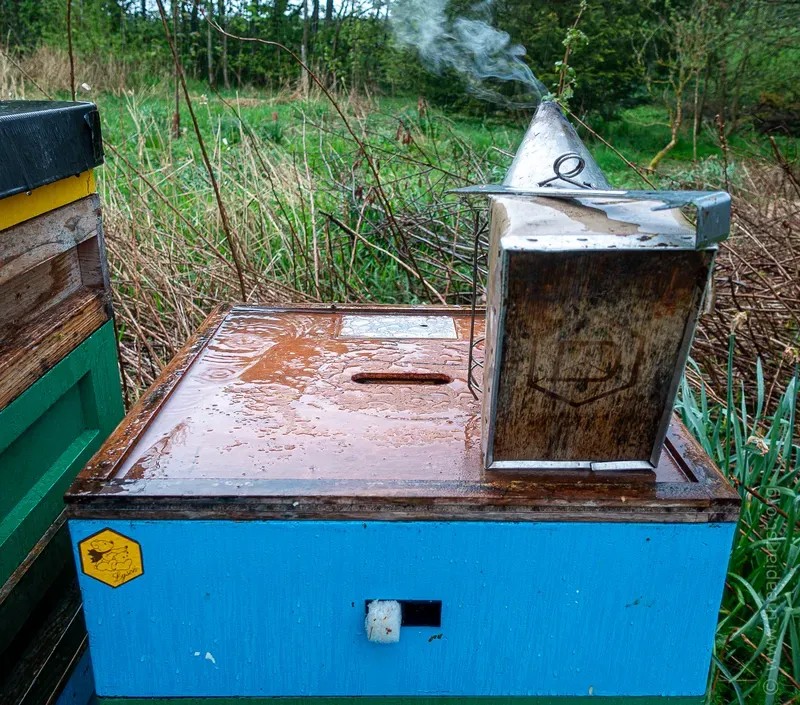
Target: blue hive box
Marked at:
293, 465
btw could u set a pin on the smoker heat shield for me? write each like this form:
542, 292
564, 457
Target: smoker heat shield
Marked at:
592, 301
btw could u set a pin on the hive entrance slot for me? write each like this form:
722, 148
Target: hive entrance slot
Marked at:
417, 613
433, 378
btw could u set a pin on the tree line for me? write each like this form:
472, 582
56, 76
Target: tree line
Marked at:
738, 58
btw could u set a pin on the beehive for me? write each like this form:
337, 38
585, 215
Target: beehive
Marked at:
293, 465
59, 384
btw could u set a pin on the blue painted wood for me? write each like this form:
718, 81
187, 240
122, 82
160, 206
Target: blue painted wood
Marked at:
579, 700
79, 689
277, 608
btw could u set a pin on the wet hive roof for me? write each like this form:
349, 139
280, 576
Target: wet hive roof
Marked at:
351, 413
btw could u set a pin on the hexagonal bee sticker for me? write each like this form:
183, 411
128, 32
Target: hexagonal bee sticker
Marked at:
111, 558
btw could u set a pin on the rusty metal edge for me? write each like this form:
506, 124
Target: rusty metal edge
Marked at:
695, 463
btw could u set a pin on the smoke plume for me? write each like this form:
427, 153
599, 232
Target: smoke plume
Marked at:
469, 45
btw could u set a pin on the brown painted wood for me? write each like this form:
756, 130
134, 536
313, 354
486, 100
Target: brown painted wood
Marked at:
593, 342
34, 241
30, 350
259, 417
54, 291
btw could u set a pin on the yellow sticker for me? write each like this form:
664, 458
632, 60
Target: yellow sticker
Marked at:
111, 558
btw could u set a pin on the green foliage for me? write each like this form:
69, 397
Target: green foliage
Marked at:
605, 77
749, 71
757, 635
272, 130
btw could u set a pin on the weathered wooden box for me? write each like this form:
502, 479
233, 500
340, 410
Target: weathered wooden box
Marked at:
59, 383
292, 465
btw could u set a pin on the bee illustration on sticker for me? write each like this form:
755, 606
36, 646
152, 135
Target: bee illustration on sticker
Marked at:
106, 557
111, 558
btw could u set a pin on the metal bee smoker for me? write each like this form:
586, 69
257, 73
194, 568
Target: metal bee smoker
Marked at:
592, 300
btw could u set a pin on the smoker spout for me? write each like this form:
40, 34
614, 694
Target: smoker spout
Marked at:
549, 136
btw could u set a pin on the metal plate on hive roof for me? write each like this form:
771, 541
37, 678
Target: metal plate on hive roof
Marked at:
398, 326
263, 415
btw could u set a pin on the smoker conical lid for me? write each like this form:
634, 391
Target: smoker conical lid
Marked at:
549, 136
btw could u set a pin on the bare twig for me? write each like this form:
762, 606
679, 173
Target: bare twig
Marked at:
784, 164
769, 660
358, 235
638, 171
69, 50
161, 197
25, 73
398, 232
226, 226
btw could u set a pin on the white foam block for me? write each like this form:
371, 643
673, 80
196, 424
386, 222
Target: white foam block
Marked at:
383, 621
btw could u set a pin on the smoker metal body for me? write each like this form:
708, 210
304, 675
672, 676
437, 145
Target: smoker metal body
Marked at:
291, 465
60, 393
591, 308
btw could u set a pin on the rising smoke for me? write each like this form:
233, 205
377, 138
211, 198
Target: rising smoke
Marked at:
471, 46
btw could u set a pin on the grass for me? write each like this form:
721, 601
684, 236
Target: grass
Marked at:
758, 633
288, 165
307, 212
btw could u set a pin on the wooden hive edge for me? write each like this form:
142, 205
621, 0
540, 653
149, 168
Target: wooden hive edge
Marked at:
104, 464
47, 339
99, 493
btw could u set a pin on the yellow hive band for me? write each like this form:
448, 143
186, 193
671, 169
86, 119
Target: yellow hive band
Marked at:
24, 206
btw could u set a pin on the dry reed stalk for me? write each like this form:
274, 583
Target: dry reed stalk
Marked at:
167, 268
757, 282
70, 53
47, 68
229, 236
397, 232
12, 87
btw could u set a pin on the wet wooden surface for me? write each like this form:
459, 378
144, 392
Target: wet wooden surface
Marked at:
592, 344
54, 291
260, 416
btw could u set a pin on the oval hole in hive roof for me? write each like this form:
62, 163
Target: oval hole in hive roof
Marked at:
432, 378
